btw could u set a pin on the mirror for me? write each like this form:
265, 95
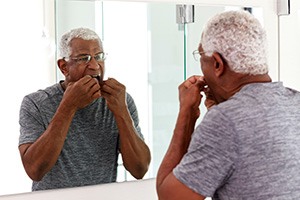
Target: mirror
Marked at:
147, 51
145, 47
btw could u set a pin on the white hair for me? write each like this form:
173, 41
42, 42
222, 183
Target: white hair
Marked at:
83, 33
240, 39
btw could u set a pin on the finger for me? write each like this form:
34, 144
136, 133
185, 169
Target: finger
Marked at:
201, 83
201, 78
86, 79
111, 82
105, 88
112, 86
194, 78
191, 80
106, 96
95, 87
90, 82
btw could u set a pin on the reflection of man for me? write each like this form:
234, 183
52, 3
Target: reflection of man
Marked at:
248, 143
73, 131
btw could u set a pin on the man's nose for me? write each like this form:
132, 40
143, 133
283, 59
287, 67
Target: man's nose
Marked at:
93, 64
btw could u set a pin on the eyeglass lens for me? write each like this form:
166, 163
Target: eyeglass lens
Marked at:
100, 57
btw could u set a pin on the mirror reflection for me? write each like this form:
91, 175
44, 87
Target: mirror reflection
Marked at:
72, 132
147, 51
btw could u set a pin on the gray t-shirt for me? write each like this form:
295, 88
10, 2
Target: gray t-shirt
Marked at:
91, 149
247, 147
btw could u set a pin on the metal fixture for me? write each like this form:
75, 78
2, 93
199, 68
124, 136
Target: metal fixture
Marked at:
283, 7
184, 14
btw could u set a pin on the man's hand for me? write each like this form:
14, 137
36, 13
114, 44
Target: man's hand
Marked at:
115, 95
189, 93
82, 92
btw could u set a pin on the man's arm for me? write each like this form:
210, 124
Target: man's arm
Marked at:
135, 153
168, 186
39, 157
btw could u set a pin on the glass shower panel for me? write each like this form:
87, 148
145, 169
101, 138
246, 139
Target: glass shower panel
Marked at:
165, 74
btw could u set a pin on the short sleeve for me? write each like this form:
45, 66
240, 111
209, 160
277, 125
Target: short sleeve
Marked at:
209, 161
31, 124
134, 115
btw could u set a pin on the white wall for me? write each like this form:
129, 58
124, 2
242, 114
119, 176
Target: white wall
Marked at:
289, 46
26, 65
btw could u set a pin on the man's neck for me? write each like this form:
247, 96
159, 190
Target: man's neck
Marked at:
242, 80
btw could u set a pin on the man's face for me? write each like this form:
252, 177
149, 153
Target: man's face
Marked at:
207, 67
85, 59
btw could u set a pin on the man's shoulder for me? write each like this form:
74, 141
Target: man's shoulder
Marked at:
43, 94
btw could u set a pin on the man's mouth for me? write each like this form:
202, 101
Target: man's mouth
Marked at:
98, 77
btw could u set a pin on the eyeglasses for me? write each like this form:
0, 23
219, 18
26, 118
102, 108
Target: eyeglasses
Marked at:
197, 54
100, 57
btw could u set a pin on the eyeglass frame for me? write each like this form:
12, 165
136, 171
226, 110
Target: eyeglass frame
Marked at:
196, 53
89, 58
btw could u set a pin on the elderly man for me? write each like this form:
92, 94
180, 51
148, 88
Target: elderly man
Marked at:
72, 132
248, 144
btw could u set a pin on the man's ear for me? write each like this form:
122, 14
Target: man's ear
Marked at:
219, 64
62, 64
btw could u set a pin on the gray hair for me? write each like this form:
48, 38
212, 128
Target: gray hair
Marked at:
240, 39
83, 33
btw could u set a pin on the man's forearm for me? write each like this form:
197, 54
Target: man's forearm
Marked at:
135, 153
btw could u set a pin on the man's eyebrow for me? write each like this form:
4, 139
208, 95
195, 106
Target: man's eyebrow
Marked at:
82, 54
